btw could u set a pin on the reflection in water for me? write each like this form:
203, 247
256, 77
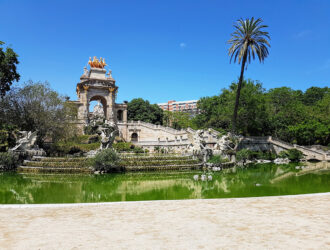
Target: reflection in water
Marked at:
258, 180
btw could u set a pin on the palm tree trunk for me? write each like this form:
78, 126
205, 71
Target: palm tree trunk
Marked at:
238, 93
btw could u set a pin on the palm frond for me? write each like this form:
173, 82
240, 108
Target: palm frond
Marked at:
250, 38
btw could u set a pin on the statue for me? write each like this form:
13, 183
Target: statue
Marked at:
108, 133
198, 146
26, 141
109, 74
85, 72
96, 63
98, 111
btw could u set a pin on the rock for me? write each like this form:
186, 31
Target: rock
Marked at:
281, 161
263, 161
209, 165
91, 153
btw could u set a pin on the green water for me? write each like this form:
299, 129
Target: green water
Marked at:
258, 180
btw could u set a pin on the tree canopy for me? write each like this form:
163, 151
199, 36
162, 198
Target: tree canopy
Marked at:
291, 115
141, 110
35, 106
8, 74
177, 120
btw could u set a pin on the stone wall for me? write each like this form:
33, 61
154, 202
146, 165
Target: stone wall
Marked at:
150, 136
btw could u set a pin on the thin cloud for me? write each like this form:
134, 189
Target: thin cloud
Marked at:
303, 33
183, 45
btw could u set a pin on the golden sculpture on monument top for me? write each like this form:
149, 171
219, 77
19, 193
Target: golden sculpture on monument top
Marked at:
96, 63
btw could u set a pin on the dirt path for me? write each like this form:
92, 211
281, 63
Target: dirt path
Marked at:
290, 222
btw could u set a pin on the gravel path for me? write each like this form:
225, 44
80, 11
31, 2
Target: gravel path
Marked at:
290, 222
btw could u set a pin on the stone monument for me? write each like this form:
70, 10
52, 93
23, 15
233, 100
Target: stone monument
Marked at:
96, 84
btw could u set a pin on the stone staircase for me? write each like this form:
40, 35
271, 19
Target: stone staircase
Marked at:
127, 163
159, 163
55, 165
309, 154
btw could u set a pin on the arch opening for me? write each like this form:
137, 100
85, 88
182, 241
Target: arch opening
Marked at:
120, 115
134, 137
97, 107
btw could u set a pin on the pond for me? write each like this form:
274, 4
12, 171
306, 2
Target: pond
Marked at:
255, 180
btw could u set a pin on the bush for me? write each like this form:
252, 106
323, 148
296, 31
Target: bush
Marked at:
283, 154
123, 146
267, 155
7, 138
215, 159
8, 161
105, 160
128, 147
76, 144
293, 154
244, 155
138, 150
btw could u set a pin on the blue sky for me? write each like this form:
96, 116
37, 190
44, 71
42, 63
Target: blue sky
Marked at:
163, 50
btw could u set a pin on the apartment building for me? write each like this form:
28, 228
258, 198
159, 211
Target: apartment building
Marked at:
181, 106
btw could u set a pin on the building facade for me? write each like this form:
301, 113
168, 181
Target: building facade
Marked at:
181, 106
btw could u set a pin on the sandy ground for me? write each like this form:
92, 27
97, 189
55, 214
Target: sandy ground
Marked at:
290, 222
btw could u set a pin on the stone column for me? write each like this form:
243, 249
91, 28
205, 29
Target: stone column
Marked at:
86, 103
125, 115
111, 112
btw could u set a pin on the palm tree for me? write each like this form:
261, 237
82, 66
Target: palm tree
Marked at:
248, 39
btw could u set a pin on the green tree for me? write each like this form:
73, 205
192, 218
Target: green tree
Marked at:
310, 132
177, 120
216, 111
35, 106
8, 74
285, 108
247, 41
141, 110
314, 94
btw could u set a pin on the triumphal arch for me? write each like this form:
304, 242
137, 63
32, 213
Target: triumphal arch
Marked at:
98, 84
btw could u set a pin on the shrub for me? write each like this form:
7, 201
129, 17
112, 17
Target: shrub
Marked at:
138, 150
127, 147
8, 161
292, 154
217, 159
7, 139
267, 155
283, 154
157, 149
76, 144
244, 155
105, 160
123, 146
